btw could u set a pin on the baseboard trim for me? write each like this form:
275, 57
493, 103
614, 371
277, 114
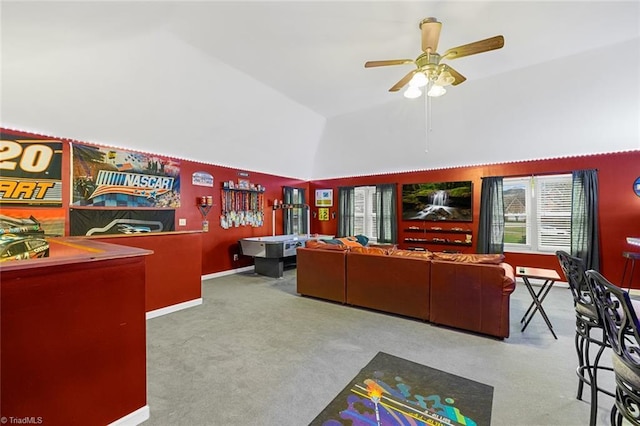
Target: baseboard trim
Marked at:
133, 419
229, 272
174, 308
191, 303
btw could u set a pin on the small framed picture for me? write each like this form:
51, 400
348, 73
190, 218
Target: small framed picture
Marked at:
323, 213
324, 197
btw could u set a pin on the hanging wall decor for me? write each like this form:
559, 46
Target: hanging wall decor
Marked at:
109, 177
324, 197
202, 179
30, 171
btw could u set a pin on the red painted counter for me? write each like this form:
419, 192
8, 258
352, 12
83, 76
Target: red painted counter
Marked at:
173, 271
74, 335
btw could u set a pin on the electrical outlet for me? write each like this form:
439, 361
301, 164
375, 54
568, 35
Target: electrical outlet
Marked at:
182, 222
235, 257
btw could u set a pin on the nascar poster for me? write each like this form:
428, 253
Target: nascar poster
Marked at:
110, 222
30, 171
107, 177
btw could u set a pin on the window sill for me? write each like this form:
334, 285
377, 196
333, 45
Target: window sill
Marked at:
524, 251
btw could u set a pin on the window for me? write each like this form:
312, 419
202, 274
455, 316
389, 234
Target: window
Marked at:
537, 213
365, 212
295, 219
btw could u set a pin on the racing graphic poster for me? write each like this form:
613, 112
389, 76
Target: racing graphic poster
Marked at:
138, 222
51, 221
30, 171
106, 177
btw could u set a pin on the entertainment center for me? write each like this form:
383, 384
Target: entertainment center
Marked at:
449, 237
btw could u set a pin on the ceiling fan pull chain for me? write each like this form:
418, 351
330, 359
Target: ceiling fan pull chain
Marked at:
427, 124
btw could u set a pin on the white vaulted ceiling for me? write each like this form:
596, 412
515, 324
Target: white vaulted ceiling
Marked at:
280, 87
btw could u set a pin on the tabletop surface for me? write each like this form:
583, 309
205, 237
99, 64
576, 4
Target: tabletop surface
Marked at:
545, 274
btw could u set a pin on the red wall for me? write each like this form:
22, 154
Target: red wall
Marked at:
219, 245
619, 208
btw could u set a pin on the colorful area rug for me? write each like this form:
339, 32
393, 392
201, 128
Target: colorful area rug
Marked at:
394, 391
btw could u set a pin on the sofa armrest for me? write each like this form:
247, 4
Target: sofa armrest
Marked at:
321, 273
473, 297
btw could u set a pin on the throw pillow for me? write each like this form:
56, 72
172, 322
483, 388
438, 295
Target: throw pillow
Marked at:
362, 239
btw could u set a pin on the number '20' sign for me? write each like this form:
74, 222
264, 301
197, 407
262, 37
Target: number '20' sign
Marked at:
30, 172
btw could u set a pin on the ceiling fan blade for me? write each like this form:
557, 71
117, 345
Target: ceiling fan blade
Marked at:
459, 77
430, 34
370, 64
403, 81
476, 47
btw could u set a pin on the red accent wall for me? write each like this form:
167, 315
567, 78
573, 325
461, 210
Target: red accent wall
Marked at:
219, 245
619, 206
619, 210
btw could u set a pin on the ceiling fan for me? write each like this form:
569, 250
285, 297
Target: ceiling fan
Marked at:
429, 69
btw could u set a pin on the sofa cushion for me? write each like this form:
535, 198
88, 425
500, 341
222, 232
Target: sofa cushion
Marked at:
495, 259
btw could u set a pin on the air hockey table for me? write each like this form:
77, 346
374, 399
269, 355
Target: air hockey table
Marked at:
270, 253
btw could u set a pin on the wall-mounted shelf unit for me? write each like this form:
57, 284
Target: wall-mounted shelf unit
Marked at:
446, 242
461, 237
439, 230
289, 206
204, 210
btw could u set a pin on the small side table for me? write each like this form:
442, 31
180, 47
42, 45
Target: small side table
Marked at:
549, 276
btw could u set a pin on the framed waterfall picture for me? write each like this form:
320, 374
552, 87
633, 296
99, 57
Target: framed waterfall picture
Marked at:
441, 201
324, 197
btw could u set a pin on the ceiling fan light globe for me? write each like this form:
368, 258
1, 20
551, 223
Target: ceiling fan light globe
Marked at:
445, 78
436, 90
419, 80
412, 92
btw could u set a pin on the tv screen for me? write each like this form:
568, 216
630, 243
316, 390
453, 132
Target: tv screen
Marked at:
441, 201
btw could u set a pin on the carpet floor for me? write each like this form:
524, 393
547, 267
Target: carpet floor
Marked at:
256, 353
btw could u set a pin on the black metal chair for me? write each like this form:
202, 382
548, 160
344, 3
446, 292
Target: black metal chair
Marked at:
621, 327
587, 319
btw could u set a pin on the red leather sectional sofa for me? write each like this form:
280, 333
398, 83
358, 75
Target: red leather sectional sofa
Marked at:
460, 291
